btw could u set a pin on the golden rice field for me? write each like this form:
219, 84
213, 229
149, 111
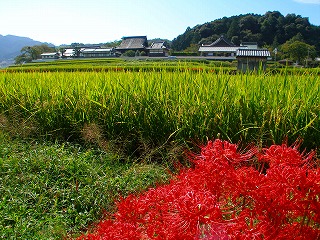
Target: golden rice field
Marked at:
161, 106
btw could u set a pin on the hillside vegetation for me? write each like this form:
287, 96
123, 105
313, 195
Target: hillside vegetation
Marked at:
270, 29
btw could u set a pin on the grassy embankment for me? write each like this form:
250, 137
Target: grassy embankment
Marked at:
51, 190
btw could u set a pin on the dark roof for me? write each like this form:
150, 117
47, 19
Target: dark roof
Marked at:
134, 42
253, 53
221, 42
129, 37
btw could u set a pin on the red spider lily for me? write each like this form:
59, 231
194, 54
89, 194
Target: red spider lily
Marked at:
223, 151
110, 230
225, 197
282, 154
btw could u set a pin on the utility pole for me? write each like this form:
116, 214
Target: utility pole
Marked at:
275, 54
307, 58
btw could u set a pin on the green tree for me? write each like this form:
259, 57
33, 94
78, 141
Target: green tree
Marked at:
233, 30
23, 58
272, 28
269, 26
30, 53
249, 22
193, 48
112, 44
236, 40
76, 51
299, 51
129, 53
184, 40
62, 50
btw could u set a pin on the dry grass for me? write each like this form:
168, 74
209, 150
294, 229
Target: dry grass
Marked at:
18, 127
92, 133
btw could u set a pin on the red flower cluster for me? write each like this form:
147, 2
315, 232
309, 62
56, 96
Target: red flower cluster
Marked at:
268, 194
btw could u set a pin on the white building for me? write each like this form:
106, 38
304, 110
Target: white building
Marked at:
96, 52
221, 48
46, 56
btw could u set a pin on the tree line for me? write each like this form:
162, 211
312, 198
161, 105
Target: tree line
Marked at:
29, 53
271, 30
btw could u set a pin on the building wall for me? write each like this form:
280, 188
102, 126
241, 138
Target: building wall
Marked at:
158, 53
95, 55
49, 57
218, 54
251, 63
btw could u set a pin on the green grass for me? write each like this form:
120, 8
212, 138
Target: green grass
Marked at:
50, 191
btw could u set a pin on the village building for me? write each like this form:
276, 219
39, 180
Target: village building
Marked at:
84, 52
221, 48
97, 52
134, 43
158, 49
48, 56
68, 53
252, 59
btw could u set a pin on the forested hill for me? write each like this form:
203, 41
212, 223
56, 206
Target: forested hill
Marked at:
270, 29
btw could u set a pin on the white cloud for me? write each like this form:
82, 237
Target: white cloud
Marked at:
308, 1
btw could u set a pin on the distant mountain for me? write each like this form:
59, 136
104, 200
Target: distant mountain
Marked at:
10, 47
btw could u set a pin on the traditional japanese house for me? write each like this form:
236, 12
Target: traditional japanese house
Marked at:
97, 52
135, 43
48, 56
222, 48
68, 53
158, 49
252, 59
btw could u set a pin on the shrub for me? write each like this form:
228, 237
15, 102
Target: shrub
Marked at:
268, 194
129, 53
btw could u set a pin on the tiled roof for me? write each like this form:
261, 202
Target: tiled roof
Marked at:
219, 49
253, 53
136, 42
158, 45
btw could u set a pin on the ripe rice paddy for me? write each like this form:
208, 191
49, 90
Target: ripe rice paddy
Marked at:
157, 106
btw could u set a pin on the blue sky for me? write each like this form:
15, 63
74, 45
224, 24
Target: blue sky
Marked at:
98, 21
